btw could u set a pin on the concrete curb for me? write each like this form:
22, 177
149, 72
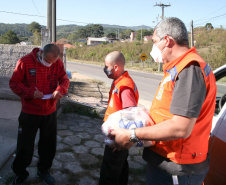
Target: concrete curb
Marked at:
100, 111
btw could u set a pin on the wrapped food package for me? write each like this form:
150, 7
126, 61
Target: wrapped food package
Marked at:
132, 117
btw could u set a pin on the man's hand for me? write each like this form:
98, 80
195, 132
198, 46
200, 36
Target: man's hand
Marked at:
56, 95
122, 137
38, 94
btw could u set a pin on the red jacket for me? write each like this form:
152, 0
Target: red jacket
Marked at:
30, 74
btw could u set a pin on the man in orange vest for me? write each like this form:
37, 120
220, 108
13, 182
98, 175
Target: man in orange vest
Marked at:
182, 109
123, 94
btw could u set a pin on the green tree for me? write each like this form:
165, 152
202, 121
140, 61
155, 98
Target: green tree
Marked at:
9, 38
125, 34
82, 33
98, 30
36, 38
73, 37
209, 26
111, 35
34, 27
89, 30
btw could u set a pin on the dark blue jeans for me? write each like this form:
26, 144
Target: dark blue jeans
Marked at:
156, 176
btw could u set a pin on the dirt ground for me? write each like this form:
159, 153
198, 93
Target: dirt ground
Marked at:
88, 91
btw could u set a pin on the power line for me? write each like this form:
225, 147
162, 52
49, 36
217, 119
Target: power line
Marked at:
207, 20
209, 14
42, 17
217, 16
36, 7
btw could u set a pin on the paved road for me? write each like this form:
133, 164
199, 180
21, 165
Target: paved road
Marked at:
147, 83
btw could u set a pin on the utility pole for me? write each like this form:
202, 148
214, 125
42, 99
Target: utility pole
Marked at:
49, 15
53, 20
192, 35
141, 35
163, 6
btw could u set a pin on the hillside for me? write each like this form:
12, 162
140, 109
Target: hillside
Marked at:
20, 29
63, 30
210, 44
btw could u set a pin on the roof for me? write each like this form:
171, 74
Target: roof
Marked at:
69, 46
98, 39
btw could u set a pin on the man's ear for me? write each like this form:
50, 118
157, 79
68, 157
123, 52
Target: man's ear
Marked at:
170, 42
116, 67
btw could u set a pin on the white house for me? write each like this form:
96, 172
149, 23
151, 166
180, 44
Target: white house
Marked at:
92, 41
133, 36
147, 38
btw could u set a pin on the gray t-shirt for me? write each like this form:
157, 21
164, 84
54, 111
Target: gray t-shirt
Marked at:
189, 92
188, 96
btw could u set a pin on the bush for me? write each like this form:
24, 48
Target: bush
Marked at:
214, 39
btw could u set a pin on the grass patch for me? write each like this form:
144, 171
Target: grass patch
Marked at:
80, 109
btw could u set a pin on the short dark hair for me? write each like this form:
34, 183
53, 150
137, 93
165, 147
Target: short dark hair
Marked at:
52, 48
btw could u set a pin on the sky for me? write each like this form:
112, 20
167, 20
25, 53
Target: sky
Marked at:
117, 12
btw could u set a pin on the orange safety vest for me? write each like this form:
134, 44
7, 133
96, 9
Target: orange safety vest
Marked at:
194, 148
115, 102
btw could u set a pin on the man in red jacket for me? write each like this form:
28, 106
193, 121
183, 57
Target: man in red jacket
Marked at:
40, 80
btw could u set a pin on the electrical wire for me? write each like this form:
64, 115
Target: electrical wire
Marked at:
42, 17
207, 20
209, 14
36, 7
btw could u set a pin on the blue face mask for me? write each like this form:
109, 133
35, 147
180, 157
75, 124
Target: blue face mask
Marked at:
109, 73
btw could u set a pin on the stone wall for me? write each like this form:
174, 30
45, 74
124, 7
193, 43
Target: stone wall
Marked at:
9, 55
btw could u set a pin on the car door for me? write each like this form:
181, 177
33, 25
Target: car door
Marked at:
217, 142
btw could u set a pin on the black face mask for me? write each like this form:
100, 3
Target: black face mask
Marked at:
109, 73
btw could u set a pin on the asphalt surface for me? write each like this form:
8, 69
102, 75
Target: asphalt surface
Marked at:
80, 146
147, 83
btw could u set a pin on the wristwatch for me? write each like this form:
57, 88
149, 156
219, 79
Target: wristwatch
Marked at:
133, 137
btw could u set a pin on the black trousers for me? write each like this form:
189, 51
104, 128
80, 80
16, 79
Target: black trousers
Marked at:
28, 127
114, 167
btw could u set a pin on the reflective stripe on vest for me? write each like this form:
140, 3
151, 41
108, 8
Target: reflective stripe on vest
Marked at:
194, 148
173, 73
114, 102
207, 70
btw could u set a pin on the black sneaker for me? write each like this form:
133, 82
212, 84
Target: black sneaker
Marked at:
19, 179
46, 178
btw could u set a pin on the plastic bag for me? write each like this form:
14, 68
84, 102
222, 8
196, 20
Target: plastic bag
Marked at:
69, 74
132, 117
